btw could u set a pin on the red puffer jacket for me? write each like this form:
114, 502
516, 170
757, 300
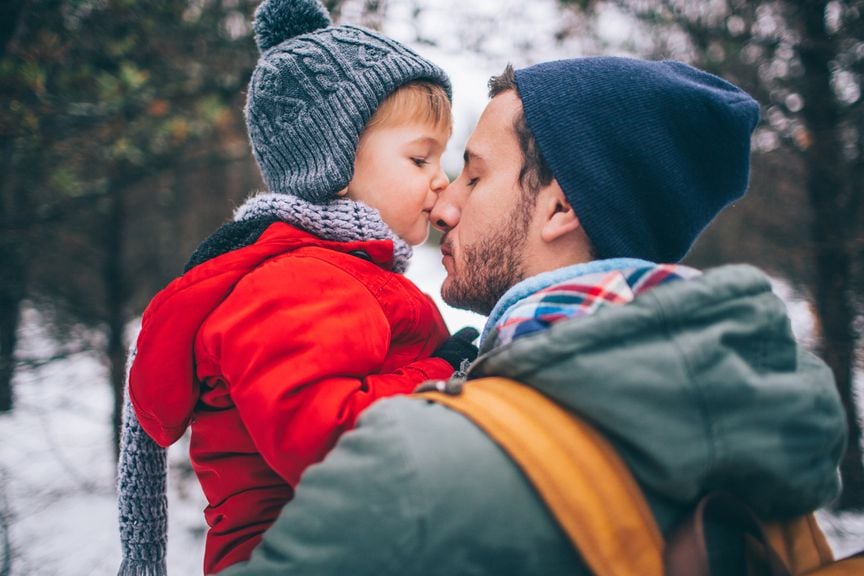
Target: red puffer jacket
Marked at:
271, 351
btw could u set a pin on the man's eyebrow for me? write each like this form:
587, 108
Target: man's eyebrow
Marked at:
469, 155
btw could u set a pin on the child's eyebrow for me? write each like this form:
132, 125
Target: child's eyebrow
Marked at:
425, 140
433, 143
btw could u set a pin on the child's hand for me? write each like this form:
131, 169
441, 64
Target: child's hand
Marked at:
458, 347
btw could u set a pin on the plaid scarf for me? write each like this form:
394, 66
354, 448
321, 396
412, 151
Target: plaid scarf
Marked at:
582, 296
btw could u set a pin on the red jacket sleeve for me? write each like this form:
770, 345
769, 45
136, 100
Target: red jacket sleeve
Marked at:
301, 345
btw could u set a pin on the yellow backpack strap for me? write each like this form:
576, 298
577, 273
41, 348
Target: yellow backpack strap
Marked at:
800, 543
578, 474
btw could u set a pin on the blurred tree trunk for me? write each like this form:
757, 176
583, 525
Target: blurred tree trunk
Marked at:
10, 295
368, 13
831, 198
9, 12
116, 296
10, 305
334, 8
15, 218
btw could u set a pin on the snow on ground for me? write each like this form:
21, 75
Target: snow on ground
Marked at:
57, 470
57, 473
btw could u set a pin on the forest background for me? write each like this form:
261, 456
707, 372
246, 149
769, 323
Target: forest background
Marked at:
122, 145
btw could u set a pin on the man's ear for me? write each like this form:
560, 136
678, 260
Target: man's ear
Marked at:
559, 219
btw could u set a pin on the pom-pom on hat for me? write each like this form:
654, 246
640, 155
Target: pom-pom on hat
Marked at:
279, 21
314, 89
647, 152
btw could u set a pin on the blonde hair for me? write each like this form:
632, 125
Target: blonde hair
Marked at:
417, 101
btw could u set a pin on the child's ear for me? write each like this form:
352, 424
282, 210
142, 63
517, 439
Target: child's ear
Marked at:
343, 192
559, 219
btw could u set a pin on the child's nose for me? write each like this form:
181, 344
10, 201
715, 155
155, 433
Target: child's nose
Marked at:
440, 181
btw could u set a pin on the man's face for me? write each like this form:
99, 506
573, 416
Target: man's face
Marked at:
484, 213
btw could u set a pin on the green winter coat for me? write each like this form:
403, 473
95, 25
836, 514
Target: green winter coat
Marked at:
699, 384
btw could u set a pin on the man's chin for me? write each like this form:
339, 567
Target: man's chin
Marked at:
455, 296
446, 289
448, 294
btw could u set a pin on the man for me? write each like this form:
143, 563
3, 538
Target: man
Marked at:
580, 176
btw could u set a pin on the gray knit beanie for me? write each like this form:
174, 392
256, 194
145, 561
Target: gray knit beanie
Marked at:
314, 89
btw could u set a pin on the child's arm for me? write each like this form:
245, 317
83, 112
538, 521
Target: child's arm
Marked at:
301, 348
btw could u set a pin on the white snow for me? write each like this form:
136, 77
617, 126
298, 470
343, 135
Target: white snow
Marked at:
57, 471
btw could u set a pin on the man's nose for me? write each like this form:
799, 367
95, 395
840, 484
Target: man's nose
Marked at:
446, 212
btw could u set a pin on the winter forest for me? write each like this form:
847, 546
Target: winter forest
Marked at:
123, 145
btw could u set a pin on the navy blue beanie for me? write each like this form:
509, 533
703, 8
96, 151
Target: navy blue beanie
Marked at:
648, 153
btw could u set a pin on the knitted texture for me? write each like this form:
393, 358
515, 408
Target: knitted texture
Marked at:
341, 220
648, 153
313, 90
141, 498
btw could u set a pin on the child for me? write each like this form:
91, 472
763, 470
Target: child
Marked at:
292, 319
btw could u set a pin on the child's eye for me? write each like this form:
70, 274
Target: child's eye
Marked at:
419, 161
472, 182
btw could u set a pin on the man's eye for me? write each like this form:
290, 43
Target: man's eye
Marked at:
419, 161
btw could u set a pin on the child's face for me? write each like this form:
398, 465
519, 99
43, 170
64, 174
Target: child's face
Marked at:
398, 172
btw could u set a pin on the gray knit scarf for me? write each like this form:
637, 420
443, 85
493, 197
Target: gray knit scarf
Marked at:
141, 470
342, 220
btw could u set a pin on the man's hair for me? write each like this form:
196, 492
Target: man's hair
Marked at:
417, 101
535, 173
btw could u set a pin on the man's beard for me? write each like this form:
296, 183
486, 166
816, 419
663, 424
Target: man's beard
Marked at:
491, 265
